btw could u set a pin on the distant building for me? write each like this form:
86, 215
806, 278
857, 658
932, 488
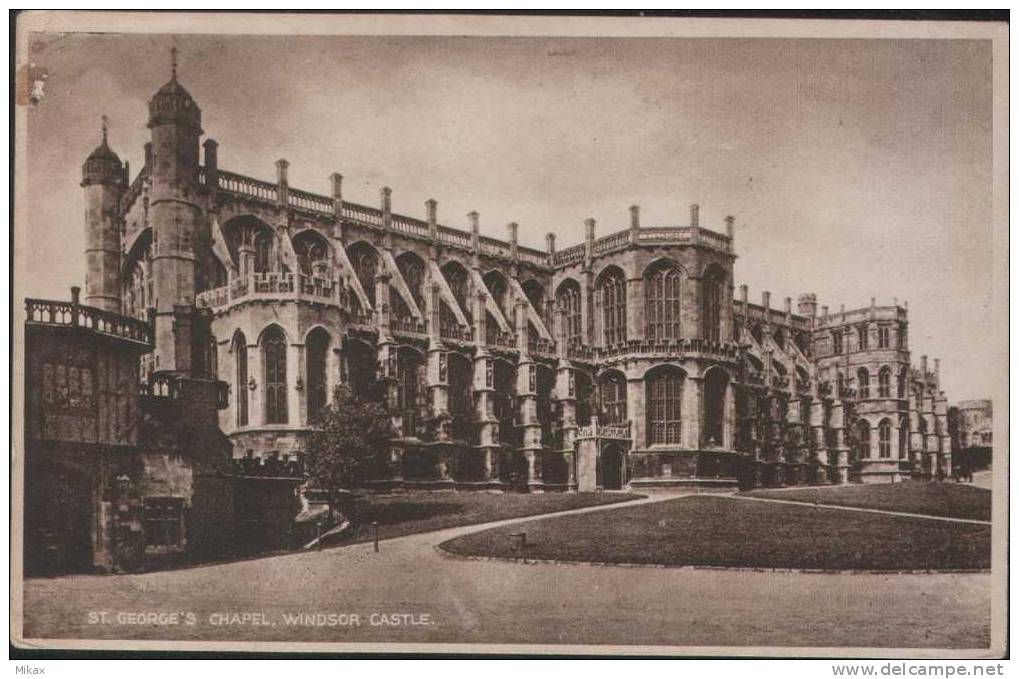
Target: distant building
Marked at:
974, 424
621, 361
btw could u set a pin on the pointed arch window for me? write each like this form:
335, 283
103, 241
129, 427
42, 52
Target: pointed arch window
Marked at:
884, 439
263, 252
613, 398
713, 285
310, 249
664, 407
662, 294
240, 351
366, 266
412, 269
568, 302
274, 348
613, 293
863, 380
884, 382
316, 353
863, 438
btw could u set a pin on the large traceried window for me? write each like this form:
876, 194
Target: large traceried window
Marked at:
662, 297
863, 383
310, 249
884, 382
664, 406
240, 351
884, 439
613, 299
274, 352
613, 398
263, 252
568, 303
412, 391
413, 271
714, 293
884, 334
863, 438
316, 352
366, 266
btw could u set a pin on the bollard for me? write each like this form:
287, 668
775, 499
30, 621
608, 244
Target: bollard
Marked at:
375, 534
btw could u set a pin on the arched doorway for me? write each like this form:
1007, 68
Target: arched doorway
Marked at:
612, 467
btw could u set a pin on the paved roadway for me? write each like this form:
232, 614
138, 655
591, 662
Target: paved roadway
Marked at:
506, 603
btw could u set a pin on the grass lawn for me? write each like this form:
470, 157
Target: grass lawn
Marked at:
721, 531
422, 511
936, 499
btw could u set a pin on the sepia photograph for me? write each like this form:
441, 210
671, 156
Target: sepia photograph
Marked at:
510, 334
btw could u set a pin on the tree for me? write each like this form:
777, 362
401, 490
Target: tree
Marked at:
350, 444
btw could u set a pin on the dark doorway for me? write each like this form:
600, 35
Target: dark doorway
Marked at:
612, 467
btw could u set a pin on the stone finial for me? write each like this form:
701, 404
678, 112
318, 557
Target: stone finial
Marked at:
730, 226
512, 229
788, 305
550, 243
75, 294
873, 302
695, 214
634, 216
336, 185
766, 300
744, 291
923, 364
281, 171
472, 219
937, 366
589, 225
432, 210
824, 311
211, 148
386, 195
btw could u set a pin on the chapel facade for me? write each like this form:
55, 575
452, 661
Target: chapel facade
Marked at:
628, 360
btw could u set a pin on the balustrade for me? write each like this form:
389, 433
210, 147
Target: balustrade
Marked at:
100, 321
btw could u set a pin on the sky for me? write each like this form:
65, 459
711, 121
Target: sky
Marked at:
854, 168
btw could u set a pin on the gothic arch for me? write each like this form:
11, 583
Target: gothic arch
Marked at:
612, 397
664, 404
317, 344
248, 231
275, 380
611, 289
367, 263
311, 248
663, 284
570, 313
413, 270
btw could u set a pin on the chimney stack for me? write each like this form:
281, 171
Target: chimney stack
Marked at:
695, 217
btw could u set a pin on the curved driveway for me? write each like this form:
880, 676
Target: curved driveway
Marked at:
506, 603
